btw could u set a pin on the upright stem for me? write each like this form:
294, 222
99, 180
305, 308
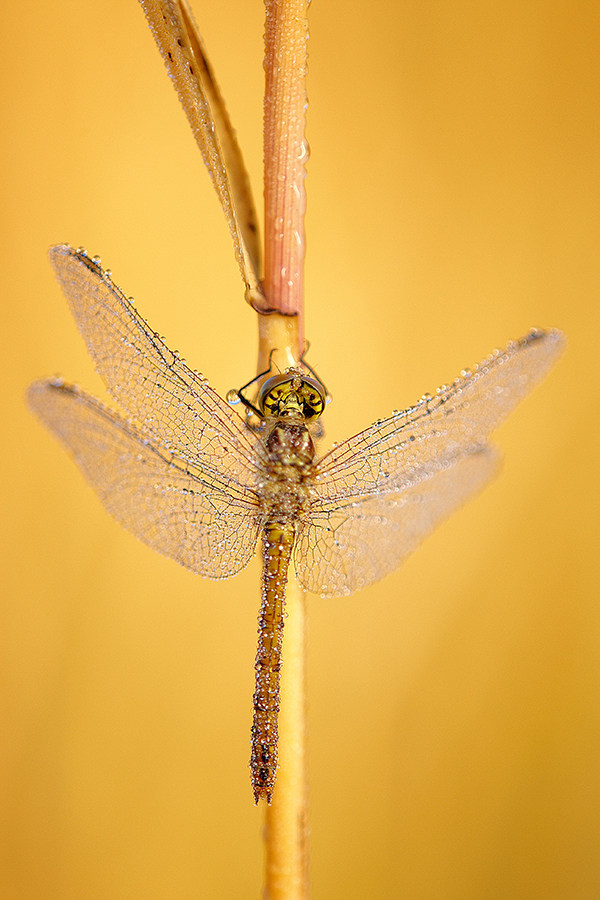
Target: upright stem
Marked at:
287, 817
285, 155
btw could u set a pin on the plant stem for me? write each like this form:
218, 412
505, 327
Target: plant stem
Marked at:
286, 830
285, 155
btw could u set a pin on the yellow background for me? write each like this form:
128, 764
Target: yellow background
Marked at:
453, 203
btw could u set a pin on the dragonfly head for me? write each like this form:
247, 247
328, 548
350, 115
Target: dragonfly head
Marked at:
291, 394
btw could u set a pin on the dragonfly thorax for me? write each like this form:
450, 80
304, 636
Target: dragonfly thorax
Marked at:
290, 445
284, 491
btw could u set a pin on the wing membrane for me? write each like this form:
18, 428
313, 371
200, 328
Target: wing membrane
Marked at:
174, 508
346, 549
174, 407
401, 451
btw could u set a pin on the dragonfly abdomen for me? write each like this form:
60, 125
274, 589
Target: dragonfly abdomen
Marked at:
284, 498
278, 541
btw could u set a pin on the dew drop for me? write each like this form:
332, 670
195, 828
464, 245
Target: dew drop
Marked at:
303, 151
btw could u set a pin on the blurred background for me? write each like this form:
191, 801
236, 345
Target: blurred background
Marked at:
453, 204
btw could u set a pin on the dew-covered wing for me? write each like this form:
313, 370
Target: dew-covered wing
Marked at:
376, 495
207, 524
345, 549
174, 407
410, 446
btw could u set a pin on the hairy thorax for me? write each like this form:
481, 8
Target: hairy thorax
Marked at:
291, 451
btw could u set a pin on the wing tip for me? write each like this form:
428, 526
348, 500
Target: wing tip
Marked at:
548, 335
60, 251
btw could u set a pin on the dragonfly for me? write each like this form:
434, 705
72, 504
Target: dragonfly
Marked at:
196, 481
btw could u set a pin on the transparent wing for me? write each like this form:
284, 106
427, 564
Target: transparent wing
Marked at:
411, 446
174, 407
173, 507
184, 54
343, 550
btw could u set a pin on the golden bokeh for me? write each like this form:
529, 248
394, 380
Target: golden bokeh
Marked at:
454, 201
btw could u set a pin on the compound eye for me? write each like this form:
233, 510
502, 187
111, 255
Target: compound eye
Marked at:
313, 404
288, 392
271, 400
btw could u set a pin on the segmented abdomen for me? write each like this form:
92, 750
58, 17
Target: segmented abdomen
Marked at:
278, 541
